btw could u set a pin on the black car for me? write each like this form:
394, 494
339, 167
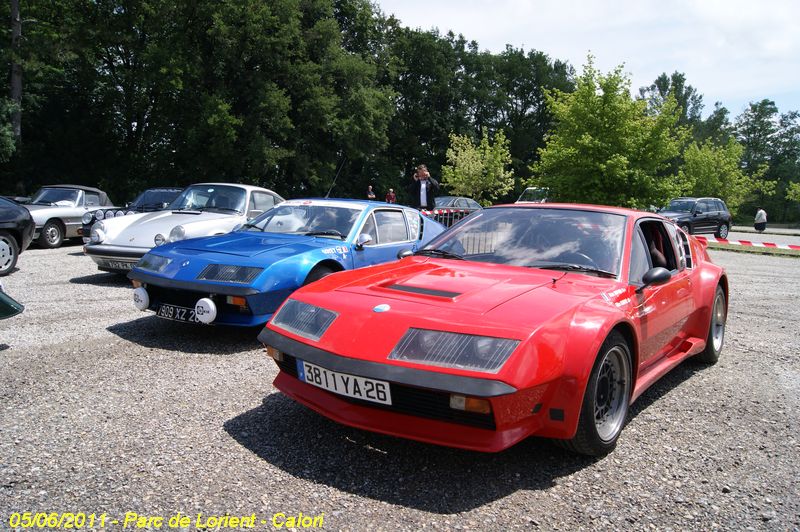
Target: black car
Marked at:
451, 209
152, 199
700, 215
16, 233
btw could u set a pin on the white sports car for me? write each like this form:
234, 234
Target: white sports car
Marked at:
204, 209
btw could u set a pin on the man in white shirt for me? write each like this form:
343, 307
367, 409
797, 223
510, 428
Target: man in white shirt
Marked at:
423, 189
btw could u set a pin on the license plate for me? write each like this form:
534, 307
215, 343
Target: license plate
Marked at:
171, 312
344, 384
119, 265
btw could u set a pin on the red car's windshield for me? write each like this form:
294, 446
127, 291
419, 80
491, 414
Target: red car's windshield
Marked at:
538, 237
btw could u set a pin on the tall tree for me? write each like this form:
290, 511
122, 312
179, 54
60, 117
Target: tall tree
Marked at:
689, 101
606, 147
481, 172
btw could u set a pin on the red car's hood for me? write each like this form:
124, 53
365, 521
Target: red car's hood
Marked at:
475, 288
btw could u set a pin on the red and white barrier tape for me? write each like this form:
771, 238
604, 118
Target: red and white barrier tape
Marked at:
709, 239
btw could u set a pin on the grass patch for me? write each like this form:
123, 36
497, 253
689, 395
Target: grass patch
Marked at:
756, 250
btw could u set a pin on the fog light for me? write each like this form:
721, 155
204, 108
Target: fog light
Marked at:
470, 404
274, 353
205, 310
141, 298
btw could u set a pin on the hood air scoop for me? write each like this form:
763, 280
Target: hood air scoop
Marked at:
424, 291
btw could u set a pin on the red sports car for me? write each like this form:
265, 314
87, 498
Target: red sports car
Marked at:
528, 319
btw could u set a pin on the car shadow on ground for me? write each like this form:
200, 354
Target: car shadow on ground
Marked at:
102, 279
153, 332
416, 475
397, 471
681, 373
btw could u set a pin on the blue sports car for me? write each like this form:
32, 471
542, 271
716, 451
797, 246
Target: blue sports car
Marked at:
242, 277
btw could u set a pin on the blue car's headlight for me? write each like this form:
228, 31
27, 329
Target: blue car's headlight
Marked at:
153, 263
454, 350
303, 319
226, 273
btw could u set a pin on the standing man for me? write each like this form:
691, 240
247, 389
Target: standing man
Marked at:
423, 189
370, 193
391, 197
761, 220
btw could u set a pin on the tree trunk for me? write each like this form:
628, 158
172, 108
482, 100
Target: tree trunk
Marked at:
16, 72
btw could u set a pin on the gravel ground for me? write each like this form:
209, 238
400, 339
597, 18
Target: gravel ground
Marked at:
106, 409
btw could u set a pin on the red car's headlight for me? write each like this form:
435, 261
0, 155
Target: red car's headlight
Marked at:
454, 350
303, 319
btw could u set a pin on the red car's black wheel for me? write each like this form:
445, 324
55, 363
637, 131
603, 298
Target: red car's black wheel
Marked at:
716, 329
605, 402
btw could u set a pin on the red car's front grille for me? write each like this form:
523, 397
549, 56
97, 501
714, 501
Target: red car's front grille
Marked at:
413, 401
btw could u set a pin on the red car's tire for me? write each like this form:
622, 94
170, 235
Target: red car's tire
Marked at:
716, 329
605, 402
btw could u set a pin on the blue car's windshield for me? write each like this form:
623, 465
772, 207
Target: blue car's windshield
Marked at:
211, 198
65, 197
536, 237
317, 219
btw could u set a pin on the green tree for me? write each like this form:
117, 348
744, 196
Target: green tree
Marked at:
771, 143
606, 148
480, 172
711, 170
687, 98
793, 192
7, 144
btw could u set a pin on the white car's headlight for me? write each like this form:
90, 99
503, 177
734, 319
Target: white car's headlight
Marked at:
159, 239
99, 215
178, 233
98, 233
130, 212
454, 350
153, 263
87, 218
303, 319
119, 213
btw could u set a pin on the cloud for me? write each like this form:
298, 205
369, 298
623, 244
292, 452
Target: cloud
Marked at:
732, 51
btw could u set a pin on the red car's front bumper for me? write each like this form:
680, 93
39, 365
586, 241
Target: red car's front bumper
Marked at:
405, 425
421, 401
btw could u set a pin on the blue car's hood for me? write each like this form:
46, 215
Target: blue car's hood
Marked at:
253, 244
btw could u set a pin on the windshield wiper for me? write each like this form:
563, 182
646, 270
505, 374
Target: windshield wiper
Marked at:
327, 232
439, 253
245, 226
570, 267
50, 203
227, 209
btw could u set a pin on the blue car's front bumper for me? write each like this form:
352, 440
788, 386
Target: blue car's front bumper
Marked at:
259, 309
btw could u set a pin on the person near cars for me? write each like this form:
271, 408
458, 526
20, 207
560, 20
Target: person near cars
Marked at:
391, 197
423, 189
370, 193
761, 220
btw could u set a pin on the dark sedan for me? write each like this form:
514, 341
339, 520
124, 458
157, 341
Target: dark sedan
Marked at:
151, 200
16, 232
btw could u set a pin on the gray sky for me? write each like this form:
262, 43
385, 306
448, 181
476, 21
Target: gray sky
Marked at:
732, 51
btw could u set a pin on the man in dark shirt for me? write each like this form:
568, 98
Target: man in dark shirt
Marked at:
423, 189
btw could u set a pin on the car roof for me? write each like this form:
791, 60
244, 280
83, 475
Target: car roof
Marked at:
79, 187
345, 202
580, 207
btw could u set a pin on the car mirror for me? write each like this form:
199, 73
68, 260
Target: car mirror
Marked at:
403, 253
698, 212
655, 276
9, 306
363, 239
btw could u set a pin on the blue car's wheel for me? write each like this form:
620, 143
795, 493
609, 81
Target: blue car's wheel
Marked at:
317, 273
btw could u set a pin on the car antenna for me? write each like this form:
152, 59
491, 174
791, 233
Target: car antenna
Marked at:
555, 279
344, 158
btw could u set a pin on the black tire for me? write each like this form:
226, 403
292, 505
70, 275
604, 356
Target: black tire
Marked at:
9, 253
605, 401
317, 273
52, 235
686, 228
716, 329
722, 230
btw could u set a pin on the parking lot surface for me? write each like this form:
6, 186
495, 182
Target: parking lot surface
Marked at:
106, 409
